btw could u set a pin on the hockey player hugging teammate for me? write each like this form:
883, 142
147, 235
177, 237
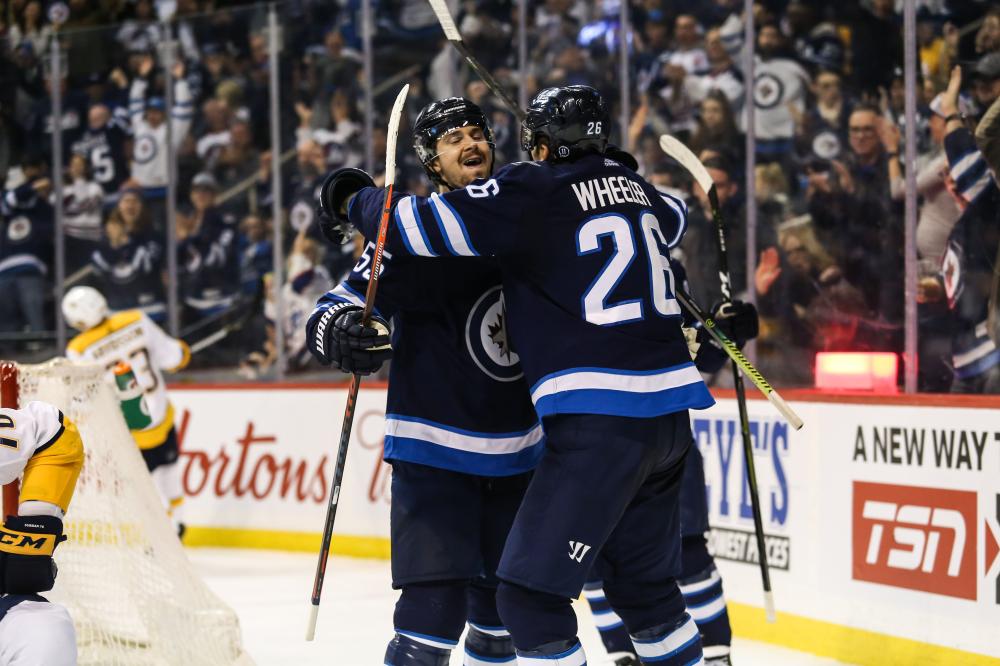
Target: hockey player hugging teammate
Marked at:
461, 433
588, 287
130, 336
43, 447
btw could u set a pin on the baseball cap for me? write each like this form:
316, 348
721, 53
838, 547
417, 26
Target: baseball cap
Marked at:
205, 180
988, 67
156, 103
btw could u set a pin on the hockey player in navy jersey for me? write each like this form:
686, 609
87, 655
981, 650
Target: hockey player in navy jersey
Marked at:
461, 433
583, 244
700, 582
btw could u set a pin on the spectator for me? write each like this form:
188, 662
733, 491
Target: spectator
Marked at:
207, 252
149, 151
26, 230
215, 134
986, 80
256, 253
237, 160
717, 126
129, 261
876, 44
823, 130
29, 27
338, 131
83, 201
968, 265
141, 32
105, 146
779, 92
306, 281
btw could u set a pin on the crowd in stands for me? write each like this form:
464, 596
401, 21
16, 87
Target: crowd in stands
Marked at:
829, 122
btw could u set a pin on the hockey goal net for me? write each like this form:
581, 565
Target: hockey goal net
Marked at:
123, 575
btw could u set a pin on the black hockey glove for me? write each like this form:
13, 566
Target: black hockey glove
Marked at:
622, 157
738, 320
340, 340
333, 195
26, 547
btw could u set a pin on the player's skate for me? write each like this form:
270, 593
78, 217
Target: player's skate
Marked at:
722, 660
623, 659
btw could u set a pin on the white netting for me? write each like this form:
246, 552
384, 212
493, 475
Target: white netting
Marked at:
123, 575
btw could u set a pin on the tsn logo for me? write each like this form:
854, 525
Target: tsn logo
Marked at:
916, 538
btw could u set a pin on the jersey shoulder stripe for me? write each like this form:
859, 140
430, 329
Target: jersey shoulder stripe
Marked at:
115, 322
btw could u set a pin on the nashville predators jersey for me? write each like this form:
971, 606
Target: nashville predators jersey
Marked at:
44, 446
130, 336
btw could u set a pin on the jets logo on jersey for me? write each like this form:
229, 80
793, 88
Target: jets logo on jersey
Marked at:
768, 91
18, 229
486, 338
826, 145
145, 148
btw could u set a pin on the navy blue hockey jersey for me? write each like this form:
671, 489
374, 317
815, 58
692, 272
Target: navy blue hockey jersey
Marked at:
457, 396
106, 151
584, 251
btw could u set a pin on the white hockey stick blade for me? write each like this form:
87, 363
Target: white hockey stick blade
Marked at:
392, 133
440, 8
311, 627
779, 403
769, 607
688, 160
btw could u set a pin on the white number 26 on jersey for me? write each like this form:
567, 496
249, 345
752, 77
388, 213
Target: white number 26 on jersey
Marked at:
590, 238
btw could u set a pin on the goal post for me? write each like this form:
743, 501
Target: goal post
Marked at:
134, 597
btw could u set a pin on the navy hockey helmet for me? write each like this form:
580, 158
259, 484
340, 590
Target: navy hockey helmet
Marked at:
437, 119
573, 119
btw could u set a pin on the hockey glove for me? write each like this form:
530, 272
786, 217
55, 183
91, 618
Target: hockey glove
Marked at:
340, 340
621, 156
26, 547
333, 195
738, 320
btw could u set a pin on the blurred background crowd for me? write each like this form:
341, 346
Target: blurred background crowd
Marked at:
824, 191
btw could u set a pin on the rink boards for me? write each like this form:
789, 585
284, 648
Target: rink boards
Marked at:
882, 520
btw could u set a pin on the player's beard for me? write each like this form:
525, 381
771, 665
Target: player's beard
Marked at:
465, 174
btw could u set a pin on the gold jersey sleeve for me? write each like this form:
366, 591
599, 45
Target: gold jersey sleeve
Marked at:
44, 447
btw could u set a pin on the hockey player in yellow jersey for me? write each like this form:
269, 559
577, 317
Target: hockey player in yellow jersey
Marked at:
108, 338
43, 447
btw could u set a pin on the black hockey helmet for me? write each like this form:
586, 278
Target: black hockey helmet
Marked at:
437, 119
574, 120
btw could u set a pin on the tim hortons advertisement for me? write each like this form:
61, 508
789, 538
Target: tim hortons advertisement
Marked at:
879, 519
262, 460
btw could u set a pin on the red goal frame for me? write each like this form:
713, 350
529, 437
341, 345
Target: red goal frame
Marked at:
9, 396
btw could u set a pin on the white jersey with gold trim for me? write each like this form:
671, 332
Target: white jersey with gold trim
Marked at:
22, 433
132, 337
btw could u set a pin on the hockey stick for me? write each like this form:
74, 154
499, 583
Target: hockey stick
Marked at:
741, 361
444, 17
690, 161
352, 393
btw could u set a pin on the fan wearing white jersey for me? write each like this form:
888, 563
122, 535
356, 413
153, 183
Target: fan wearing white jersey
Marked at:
130, 336
43, 447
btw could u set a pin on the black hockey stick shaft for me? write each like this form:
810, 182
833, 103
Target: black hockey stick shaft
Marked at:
348, 423
352, 392
447, 21
488, 79
725, 282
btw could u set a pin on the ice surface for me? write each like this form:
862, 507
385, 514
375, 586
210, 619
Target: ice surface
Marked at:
270, 592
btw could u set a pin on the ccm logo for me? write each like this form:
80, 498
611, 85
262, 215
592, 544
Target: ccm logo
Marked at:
916, 538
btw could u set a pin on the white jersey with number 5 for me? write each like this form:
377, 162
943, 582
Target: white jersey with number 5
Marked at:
132, 337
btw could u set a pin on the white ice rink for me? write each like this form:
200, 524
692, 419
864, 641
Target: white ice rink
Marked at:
270, 592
